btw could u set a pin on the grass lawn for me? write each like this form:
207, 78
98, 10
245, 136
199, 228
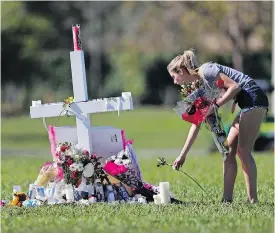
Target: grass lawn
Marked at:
200, 213
149, 127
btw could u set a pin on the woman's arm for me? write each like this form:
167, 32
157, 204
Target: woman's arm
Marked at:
232, 89
192, 135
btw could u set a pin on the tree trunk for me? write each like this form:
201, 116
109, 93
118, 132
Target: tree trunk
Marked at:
237, 58
237, 40
28, 98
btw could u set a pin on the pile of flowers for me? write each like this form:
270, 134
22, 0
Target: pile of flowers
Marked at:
76, 176
77, 163
124, 167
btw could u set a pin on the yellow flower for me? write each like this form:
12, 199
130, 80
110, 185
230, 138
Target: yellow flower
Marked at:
71, 99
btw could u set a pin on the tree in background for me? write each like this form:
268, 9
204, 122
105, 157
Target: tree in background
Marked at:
128, 44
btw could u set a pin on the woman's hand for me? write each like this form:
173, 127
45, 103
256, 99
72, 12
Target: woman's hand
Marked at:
179, 162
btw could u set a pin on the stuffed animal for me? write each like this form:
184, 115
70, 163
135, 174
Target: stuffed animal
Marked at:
19, 197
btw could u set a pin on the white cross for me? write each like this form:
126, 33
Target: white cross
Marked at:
82, 107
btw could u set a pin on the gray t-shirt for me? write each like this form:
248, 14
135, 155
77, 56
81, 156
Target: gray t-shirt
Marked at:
210, 71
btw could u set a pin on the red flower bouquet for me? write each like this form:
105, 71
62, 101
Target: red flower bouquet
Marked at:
196, 100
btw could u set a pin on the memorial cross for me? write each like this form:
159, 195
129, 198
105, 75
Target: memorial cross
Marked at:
81, 107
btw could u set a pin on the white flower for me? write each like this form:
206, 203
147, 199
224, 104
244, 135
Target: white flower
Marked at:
79, 166
113, 157
118, 161
56, 160
69, 152
76, 156
62, 156
126, 161
73, 167
58, 148
120, 154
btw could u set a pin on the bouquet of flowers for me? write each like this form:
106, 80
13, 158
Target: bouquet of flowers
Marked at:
77, 163
124, 167
197, 97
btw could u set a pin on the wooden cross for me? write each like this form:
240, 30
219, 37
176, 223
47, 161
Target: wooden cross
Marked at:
82, 107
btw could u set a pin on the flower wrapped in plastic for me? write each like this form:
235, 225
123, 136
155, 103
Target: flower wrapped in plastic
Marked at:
49, 172
196, 100
124, 167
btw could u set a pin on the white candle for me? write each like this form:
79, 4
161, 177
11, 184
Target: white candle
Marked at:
58, 191
157, 199
164, 193
69, 193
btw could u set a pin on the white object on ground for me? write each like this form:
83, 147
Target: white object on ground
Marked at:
157, 200
164, 192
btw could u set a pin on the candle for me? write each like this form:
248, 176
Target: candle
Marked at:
16, 188
157, 199
69, 193
76, 37
164, 193
58, 191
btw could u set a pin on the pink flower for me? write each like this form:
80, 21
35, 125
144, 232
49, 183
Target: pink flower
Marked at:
74, 174
60, 175
85, 152
46, 164
2, 203
114, 169
93, 156
147, 186
69, 162
64, 148
58, 154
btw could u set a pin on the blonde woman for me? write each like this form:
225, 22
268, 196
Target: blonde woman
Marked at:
251, 99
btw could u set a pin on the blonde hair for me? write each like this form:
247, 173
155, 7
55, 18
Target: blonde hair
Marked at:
187, 60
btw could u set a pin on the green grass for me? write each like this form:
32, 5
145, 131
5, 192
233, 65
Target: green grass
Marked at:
198, 213
153, 128
150, 128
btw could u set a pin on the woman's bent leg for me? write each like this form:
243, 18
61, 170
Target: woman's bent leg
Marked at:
230, 164
249, 127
